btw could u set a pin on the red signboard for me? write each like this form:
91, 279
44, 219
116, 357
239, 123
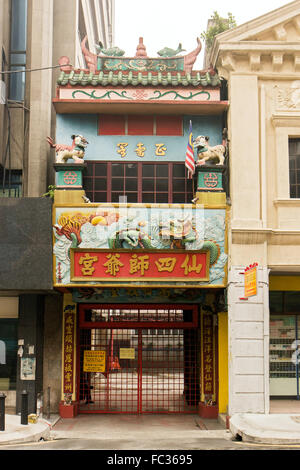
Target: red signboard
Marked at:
127, 265
250, 277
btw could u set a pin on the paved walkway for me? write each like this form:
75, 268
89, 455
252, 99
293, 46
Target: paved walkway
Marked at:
15, 432
113, 427
281, 426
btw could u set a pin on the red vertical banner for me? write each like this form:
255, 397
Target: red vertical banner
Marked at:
69, 328
208, 355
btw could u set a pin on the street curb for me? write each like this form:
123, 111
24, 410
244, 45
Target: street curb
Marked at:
247, 432
24, 433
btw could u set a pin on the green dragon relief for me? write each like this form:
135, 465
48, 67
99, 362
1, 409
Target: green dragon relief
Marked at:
135, 238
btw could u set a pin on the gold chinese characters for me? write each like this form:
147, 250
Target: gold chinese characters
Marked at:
147, 265
140, 149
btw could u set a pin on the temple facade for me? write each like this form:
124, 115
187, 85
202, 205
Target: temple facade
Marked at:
149, 281
139, 236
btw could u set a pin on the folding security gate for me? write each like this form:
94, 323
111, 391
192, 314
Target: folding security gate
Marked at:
149, 366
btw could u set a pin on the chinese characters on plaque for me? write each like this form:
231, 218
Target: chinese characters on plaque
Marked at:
128, 265
94, 361
140, 149
69, 345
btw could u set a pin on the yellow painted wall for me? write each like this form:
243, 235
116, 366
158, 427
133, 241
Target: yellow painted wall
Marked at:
291, 283
223, 361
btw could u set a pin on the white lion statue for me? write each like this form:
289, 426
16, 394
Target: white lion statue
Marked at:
206, 153
75, 151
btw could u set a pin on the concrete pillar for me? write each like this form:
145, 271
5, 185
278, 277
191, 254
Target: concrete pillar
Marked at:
244, 151
31, 332
248, 338
39, 94
53, 349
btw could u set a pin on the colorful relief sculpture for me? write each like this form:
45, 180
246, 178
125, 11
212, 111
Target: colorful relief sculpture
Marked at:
112, 51
113, 59
142, 228
181, 232
206, 153
130, 238
75, 151
168, 52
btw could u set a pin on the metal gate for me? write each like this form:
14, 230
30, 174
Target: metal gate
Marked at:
148, 367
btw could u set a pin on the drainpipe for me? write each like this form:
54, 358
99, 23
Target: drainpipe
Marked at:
265, 272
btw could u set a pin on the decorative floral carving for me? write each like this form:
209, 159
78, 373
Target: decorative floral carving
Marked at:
288, 97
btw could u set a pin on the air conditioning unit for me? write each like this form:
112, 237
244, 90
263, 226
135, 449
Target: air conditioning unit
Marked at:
2, 92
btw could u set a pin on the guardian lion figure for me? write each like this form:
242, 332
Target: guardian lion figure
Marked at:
206, 153
75, 151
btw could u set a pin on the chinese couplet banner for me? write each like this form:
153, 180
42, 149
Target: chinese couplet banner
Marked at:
208, 355
69, 328
128, 265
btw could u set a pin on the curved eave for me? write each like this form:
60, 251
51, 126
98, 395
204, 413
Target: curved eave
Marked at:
64, 106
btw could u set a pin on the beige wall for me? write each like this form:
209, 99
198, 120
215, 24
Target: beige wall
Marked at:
4, 43
263, 114
261, 61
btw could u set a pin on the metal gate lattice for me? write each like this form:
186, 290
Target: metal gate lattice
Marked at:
152, 370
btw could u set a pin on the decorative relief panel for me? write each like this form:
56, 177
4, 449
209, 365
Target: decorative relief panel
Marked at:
287, 98
140, 228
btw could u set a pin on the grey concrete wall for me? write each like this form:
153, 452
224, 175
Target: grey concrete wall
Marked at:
53, 349
26, 243
30, 330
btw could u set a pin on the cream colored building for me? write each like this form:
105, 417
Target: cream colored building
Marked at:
261, 61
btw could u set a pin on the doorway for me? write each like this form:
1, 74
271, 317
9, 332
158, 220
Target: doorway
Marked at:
149, 366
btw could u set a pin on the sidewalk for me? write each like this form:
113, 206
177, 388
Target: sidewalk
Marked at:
281, 426
15, 432
272, 429
275, 429
112, 427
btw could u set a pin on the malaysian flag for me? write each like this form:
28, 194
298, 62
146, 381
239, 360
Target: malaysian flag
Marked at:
189, 156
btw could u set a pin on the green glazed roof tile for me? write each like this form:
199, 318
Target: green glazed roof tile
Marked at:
84, 78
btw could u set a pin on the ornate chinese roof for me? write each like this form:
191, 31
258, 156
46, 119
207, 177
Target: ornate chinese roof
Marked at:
110, 68
134, 78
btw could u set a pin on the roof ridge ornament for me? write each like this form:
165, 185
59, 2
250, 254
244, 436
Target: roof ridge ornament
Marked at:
141, 49
168, 52
111, 51
190, 59
167, 62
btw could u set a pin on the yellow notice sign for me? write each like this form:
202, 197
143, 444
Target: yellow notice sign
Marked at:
127, 353
94, 361
250, 281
